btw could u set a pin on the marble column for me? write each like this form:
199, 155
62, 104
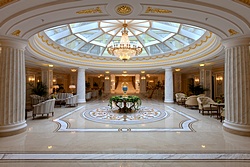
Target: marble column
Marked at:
177, 82
47, 78
169, 97
143, 84
112, 83
107, 83
137, 83
12, 87
81, 90
237, 86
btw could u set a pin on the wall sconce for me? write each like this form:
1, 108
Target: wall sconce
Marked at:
31, 79
142, 72
219, 80
51, 65
107, 77
54, 80
197, 80
143, 77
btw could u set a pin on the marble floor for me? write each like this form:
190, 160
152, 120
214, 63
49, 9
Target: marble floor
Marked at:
92, 135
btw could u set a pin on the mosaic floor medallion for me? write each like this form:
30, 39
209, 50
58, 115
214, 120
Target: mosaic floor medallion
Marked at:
112, 116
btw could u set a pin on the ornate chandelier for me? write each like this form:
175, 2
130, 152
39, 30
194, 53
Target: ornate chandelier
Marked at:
124, 50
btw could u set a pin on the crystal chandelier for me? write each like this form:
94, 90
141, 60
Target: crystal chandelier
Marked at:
124, 50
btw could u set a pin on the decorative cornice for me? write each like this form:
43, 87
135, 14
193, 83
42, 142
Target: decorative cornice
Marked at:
16, 33
124, 9
90, 11
157, 10
232, 32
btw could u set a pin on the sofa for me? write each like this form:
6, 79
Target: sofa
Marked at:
45, 107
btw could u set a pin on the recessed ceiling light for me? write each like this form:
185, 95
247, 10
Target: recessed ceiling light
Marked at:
125, 72
73, 70
142, 72
107, 72
202, 65
177, 69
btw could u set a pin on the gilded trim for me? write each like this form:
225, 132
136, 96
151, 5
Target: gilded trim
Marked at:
157, 10
16, 33
124, 9
232, 32
90, 11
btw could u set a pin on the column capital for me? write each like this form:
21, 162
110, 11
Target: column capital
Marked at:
14, 43
167, 68
236, 42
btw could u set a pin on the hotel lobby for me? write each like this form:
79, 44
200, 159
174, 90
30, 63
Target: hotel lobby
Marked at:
143, 52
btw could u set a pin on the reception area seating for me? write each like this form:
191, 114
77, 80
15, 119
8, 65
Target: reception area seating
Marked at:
204, 105
180, 98
72, 100
191, 101
45, 107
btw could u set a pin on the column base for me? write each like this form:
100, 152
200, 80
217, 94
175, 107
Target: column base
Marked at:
11, 130
243, 130
81, 101
168, 101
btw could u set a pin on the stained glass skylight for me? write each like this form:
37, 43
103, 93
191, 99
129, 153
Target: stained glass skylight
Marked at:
156, 37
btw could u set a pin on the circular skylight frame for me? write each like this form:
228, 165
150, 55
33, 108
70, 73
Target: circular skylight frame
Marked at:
155, 37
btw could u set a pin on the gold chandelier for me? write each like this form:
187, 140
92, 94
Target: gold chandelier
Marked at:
124, 50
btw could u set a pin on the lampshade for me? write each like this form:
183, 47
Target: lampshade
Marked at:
72, 86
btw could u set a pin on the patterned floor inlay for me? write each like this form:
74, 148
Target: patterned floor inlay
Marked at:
112, 116
103, 119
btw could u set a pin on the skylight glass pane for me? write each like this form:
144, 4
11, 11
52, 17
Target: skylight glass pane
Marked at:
161, 33
73, 44
195, 30
146, 38
86, 48
153, 50
163, 47
55, 30
74, 25
176, 43
65, 39
96, 50
103, 39
183, 38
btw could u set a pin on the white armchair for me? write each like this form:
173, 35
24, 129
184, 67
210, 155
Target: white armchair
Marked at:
180, 98
72, 100
191, 101
45, 107
204, 105
88, 95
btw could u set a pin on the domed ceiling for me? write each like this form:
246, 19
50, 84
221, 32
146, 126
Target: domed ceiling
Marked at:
155, 37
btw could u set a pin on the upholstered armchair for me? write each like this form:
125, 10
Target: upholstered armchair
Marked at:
72, 100
180, 98
204, 105
45, 107
191, 101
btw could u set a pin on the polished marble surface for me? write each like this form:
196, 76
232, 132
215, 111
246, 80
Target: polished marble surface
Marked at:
204, 143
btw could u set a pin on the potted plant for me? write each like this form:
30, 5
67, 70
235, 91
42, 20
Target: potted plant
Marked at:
196, 89
41, 89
